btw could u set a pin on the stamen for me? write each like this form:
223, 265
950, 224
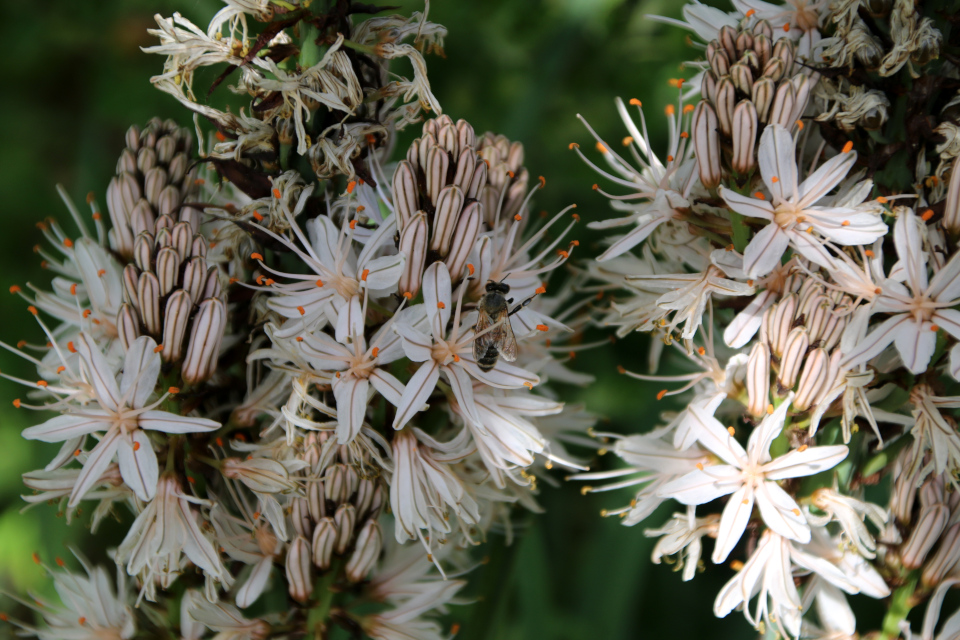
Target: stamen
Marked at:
847, 148
302, 311
158, 348
276, 193
256, 256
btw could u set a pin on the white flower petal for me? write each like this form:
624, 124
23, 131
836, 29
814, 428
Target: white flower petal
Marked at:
715, 437
646, 225
747, 206
387, 385
778, 165
416, 345
781, 513
97, 462
825, 178
138, 464
65, 427
502, 376
255, 584
141, 368
734, 520
417, 392
351, 395
766, 248
701, 487
436, 298
99, 373
808, 462
173, 423
875, 342
906, 238
916, 343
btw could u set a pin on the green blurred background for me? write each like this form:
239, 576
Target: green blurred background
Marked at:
77, 79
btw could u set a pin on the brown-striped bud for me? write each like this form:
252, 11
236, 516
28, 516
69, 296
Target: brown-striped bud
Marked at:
365, 552
299, 582
706, 143
128, 325
945, 558
413, 244
762, 97
781, 321
300, 515
346, 520
758, 380
324, 541
744, 137
206, 336
316, 499
175, 320
815, 374
464, 237
742, 78
794, 352
725, 104
933, 520
449, 204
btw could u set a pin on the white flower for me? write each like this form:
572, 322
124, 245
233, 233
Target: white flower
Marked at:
917, 312
792, 213
681, 536
121, 412
751, 476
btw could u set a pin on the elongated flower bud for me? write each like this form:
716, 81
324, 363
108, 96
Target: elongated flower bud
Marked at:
758, 380
944, 559
794, 352
815, 374
324, 541
366, 551
413, 243
299, 582
205, 338
346, 519
464, 237
744, 137
725, 104
951, 210
932, 522
706, 143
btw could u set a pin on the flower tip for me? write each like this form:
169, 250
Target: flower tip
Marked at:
847, 148
636, 102
572, 146
256, 256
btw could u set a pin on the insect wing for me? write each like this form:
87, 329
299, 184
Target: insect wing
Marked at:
484, 321
508, 341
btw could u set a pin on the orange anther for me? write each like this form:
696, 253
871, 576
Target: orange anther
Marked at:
219, 442
32, 309
670, 110
934, 328
77, 453
338, 374
454, 628
774, 179
36, 557
353, 224
750, 282
261, 278
511, 175
441, 305
845, 223
199, 182
540, 290
576, 217
687, 108
518, 217
595, 187
751, 12
158, 348
574, 243
67, 242
542, 327
73, 289
572, 146
563, 254
363, 276
701, 351
661, 393
191, 480
786, 28
256, 515
319, 283
299, 338
759, 196
21, 344
136, 446
799, 124
15, 289
351, 186
847, 148
173, 390
628, 141
470, 268
101, 272
684, 134
16, 403
60, 563
256, 256
61, 369
802, 448
81, 620
302, 311
543, 181
869, 253
407, 295
375, 351
882, 200
602, 148
700, 466
220, 137
926, 215
528, 385
669, 158
770, 409
731, 431
360, 207
233, 280
71, 348
257, 216
636, 102
456, 358
269, 281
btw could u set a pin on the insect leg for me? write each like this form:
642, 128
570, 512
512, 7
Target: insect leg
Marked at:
522, 304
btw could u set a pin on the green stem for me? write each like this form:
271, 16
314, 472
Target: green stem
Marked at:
900, 605
362, 48
741, 232
310, 53
323, 591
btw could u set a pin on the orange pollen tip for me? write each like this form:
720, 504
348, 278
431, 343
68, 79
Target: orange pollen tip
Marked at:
16, 289
256, 515
319, 283
845, 223
736, 565
927, 215
71, 348
701, 350
770, 409
878, 290
540, 290
572, 146
375, 351
173, 390
456, 358
219, 442
774, 179
571, 354
542, 327
191, 480
795, 512
61, 369
786, 28
256, 256
101, 273
276, 193
799, 124
750, 282
351, 186
628, 141
302, 311
934, 327
670, 110
802, 448
408, 295
882, 200
576, 217
90, 197
73, 289
67, 242
602, 148
260, 279
511, 175
299, 338
847, 148
233, 280
199, 182
759, 196
543, 181
36, 557
136, 446
563, 254
338, 374
669, 158
363, 276
869, 253
595, 187
636, 102
257, 216
700, 466
353, 224
687, 108
60, 563
528, 385
16, 403
661, 394
518, 217
269, 281
22, 343
158, 348
81, 620
32, 309
751, 12
441, 305
470, 268
360, 181
731, 431
684, 134
454, 628
77, 453
574, 243
361, 208
219, 135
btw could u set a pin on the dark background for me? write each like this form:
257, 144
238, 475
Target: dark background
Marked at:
77, 79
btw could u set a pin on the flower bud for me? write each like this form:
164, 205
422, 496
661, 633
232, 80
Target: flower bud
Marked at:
786, 51
719, 62
708, 86
346, 519
365, 552
405, 198
951, 212
742, 78
364, 498
783, 105
263, 475
781, 321
744, 43
758, 380
299, 582
794, 351
316, 500
438, 162
464, 237
203, 349
324, 541
176, 317
148, 303
449, 204
763, 47
413, 244
725, 104
744, 137
128, 325
706, 143
944, 559
932, 522
812, 380
762, 97
300, 515
727, 38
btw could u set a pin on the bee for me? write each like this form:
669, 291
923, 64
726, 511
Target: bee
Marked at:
494, 309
